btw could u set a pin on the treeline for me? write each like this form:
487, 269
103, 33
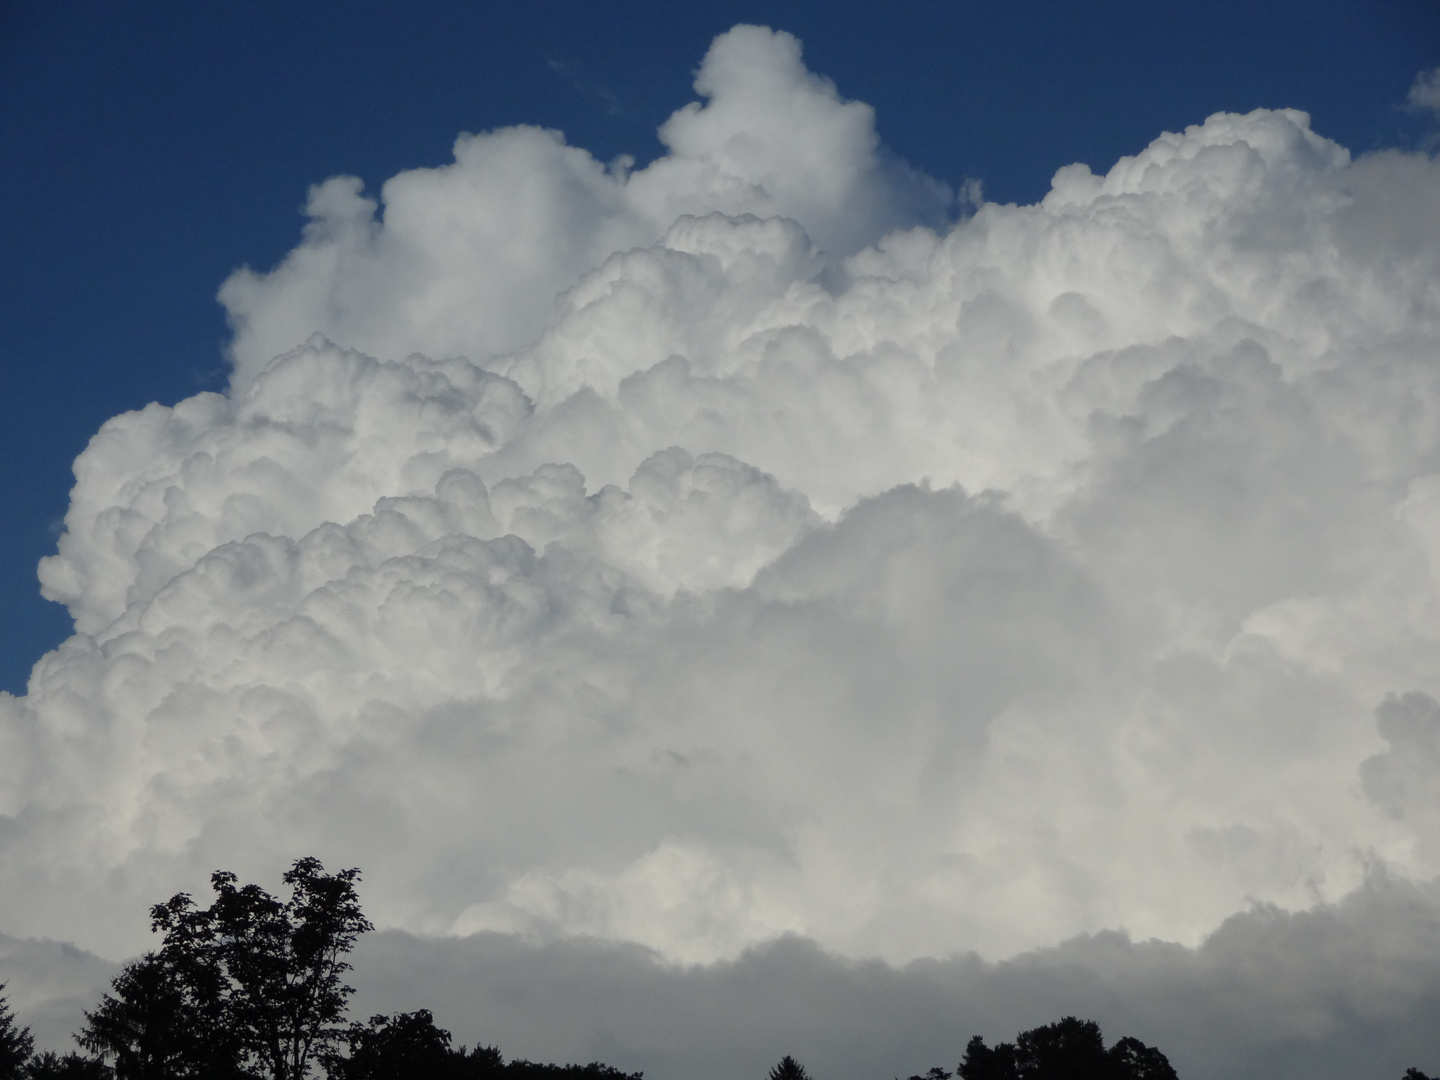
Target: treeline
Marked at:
1068, 1049
252, 988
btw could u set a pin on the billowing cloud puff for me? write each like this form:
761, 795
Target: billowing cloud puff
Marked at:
469, 258
733, 548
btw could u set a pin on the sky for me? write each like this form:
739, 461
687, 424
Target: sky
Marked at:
893, 526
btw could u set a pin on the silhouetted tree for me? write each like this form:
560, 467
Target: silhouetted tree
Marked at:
157, 1025
983, 1062
51, 1066
406, 1047
16, 1043
1415, 1074
250, 986
270, 971
1137, 1061
789, 1069
1068, 1049
533, 1070
481, 1063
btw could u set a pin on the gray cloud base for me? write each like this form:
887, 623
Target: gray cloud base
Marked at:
1339, 992
1335, 993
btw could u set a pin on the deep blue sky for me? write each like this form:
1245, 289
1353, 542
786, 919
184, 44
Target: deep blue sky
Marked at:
149, 148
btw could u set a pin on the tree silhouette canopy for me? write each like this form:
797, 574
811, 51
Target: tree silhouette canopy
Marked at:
250, 986
408, 1046
158, 1025
1068, 1049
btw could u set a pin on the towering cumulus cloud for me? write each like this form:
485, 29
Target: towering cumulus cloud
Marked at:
745, 546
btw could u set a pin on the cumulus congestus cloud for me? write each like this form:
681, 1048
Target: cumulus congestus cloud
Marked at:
741, 546
469, 257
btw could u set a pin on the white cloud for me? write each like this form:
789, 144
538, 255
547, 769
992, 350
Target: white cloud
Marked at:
1425, 91
468, 258
640, 555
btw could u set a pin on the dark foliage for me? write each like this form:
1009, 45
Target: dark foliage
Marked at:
789, 1069
482, 1061
533, 1070
1141, 1062
158, 1024
1068, 1049
983, 1062
1415, 1074
51, 1066
16, 1043
408, 1046
250, 986
281, 993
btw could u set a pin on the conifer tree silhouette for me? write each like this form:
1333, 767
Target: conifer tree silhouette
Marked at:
16, 1042
789, 1069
